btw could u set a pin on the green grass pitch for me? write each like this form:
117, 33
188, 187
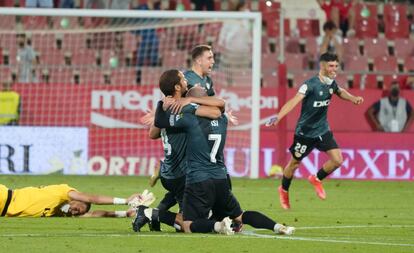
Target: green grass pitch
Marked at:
357, 216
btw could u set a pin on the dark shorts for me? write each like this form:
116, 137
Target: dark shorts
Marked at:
211, 194
176, 189
302, 146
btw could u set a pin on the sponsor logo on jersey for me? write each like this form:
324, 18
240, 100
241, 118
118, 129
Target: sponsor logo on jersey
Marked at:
331, 91
320, 93
321, 103
208, 86
214, 123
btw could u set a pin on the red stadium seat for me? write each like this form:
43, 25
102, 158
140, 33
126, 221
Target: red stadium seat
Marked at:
375, 47
270, 61
265, 7
394, 12
409, 64
403, 48
367, 28
5, 73
242, 78
66, 23
386, 63
296, 61
372, 11
129, 42
308, 27
356, 63
73, 42
92, 77
35, 22
124, 76
106, 55
270, 79
43, 41
60, 75
150, 75
84, 57
273, 26
351, 46
7, 22
342, 80
311, 47
174, 59
51, 57
369, 81
397, 29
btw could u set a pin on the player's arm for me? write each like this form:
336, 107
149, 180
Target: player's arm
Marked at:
372, 115
210, 112
410, 117
288, 106
111, 214
154, 132
100, 199
345, 95
206, 100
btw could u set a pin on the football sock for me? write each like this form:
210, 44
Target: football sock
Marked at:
322, 174
167, 217
257, 220
286, 183
202, 226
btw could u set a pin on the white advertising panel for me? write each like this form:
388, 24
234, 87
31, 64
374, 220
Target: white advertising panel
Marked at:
43, 150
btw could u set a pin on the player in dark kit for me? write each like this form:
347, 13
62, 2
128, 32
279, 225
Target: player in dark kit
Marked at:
312, 130
207, 188
202, 64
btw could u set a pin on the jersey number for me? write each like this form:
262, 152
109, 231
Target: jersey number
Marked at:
217, 140
165, 144
300, 148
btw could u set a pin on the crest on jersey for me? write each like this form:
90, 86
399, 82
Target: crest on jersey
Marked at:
297, 154
320, 93
330, 91
208, 86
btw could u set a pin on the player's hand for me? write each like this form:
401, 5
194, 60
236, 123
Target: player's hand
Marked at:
131, 212
178, 105
272, 121
358, 100
148, 118
167, 102
233, 119
133, 196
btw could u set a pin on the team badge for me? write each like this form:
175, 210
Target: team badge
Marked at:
297, 154
320, 93
208, 86
330, 91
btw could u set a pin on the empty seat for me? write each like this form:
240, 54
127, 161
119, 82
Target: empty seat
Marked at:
356, 63
65, 23
394, 12
351, 46
91, 77
273, 27
35, 22
311, 47
409, 64
403, 48
397, 29
375, 47
367, 28
71, 42
270, 79
84, 57
5, 74
365, 11
7, 22
270, 61
150, 75
308, 27
299, 78
296, 61
129, 42
124, 76
43, 41
386, 63
174, 59
60, 75
51, 57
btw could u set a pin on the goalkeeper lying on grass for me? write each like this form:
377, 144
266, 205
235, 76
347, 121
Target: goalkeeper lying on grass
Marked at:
62, 200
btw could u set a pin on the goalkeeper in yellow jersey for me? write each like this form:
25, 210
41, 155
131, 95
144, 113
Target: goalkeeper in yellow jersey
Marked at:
62, 200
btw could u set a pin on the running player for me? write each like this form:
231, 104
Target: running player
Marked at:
312, 130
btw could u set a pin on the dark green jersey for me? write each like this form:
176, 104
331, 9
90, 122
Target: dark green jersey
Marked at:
174, 141
205, 144
193, 79
313, 117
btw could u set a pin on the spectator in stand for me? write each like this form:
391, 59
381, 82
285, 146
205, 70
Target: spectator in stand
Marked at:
200, 4
330, 41
26, 60
67, 4
148, 46
10, 106
342, 13
392, 113
39, 3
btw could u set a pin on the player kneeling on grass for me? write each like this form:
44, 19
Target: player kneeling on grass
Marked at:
207, 188
62, 200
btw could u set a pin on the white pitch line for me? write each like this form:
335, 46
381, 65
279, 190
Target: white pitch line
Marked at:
356, 226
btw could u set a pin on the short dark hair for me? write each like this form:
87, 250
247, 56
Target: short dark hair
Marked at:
328, 57
168, 80
197, 51
329, 25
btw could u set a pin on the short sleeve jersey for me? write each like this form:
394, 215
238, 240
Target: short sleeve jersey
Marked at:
174, 141
205, 82
313, 117
205, 144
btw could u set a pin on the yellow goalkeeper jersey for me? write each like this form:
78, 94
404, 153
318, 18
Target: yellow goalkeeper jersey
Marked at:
43, 201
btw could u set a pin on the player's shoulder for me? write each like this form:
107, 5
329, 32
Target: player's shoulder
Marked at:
314, 80
189, 73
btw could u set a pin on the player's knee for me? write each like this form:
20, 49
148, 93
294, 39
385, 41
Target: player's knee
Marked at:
186, 226
337, 161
